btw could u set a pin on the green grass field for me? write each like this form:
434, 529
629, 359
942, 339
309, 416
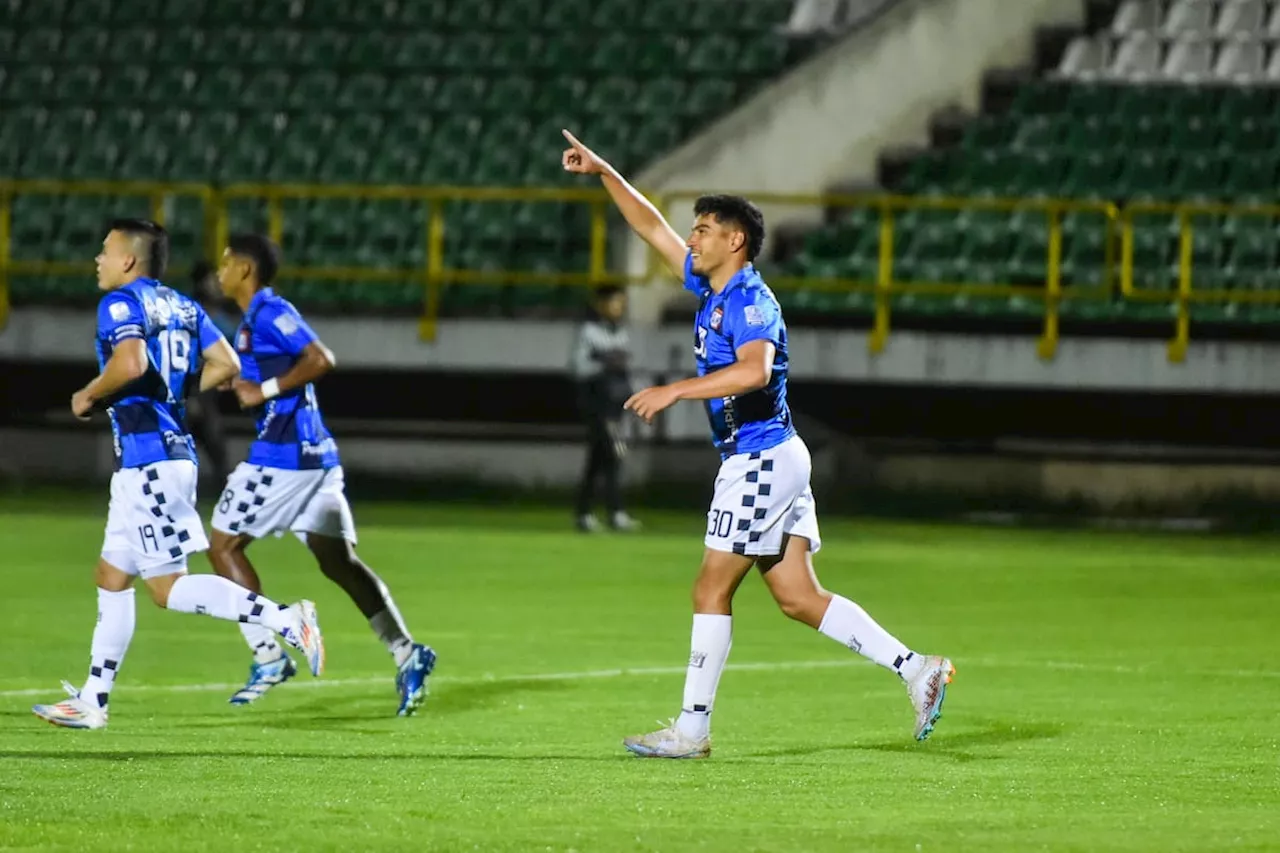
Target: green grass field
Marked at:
1114, 692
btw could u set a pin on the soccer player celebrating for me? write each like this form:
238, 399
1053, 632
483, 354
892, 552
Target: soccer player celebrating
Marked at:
153, 341
293, 479
763, 511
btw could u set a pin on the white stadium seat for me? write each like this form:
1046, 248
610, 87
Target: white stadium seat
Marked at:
1242, 61
1136, 16
1190, 60
1138, 59
1189, 17
1085, 58
1242, 17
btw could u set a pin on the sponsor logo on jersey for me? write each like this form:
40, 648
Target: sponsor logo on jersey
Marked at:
119, 311
754, 316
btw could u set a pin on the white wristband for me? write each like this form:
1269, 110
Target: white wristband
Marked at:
270, 389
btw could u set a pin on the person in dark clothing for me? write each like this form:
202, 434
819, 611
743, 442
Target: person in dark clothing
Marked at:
600, 367
203, 418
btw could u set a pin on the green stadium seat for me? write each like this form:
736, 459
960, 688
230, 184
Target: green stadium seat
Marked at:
265, 90
313, 89
1146, 175
422, 14
88, 44
38, 45
88, 12
338, 91
761, 57
31, 84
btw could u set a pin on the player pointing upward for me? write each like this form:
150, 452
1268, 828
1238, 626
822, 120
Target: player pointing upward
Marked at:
152, 343
763, 511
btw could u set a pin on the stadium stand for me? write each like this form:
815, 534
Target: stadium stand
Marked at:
1171, 113
394, 92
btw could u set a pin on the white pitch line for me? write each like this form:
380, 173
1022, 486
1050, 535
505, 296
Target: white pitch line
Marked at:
762, 666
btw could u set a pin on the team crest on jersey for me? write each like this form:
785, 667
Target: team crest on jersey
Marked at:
717, 317
242, 340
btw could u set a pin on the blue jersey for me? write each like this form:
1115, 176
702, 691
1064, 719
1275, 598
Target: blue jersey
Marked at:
147, 415
291, 433
745, 311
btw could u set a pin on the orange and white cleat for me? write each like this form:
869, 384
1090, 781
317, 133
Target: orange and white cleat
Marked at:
73, 713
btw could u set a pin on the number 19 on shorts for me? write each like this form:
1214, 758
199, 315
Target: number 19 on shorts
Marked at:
719, 523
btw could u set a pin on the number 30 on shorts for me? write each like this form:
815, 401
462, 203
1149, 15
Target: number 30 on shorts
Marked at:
719, 523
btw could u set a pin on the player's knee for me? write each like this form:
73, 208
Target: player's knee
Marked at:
160, 587
709, 596
806, 608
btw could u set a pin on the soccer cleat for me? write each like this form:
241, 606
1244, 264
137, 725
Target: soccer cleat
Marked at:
927, 689
304, 634
667, 742
623, 523
411, 680
588, 524
73, 713
262, 677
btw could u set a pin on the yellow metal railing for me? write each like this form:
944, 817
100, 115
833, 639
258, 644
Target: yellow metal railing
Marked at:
157, 195
1116, 225
886, 286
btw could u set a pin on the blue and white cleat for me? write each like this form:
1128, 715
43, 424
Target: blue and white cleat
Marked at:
262, 677
668, 742
927, 689
411, 680
304, 635
73, 713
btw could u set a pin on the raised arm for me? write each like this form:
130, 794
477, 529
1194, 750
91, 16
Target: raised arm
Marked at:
642, 216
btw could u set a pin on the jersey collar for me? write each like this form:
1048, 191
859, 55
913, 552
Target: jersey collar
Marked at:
258, 298
740, 278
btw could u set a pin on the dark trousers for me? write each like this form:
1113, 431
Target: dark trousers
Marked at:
605, 451
205, 422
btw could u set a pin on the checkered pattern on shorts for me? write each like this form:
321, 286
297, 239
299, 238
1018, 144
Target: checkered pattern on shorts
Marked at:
758, 500
247, 507
169, 535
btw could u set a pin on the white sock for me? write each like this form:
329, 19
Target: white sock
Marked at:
390, 628
111, 636
262, 640
708, 651
850, 625
220, 598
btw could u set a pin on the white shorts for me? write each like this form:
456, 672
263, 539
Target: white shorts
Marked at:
152, 522
259, 500
761, 497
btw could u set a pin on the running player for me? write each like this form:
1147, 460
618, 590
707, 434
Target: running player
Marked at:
762, 512
293, 479
152, 342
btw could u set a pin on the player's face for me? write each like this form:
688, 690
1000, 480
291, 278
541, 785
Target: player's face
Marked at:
231, 274
614, 307
116, 262
712, 244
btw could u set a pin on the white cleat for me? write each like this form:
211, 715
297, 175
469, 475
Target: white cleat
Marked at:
927, 689
304, 634
668, 742
73, 713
